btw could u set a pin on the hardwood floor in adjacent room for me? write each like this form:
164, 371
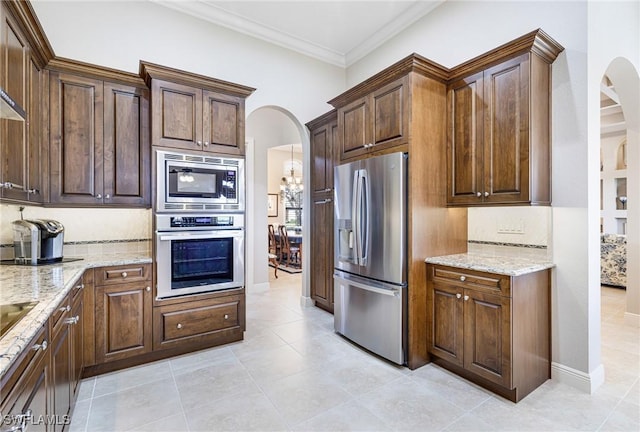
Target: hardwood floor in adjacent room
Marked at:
292, 372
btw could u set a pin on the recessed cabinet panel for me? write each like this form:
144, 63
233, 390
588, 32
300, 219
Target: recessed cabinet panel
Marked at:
447, 325
320, 157
354, 127
465, 139
126, 145
322, 252
220, 121
180, 124
387, 107
506, 137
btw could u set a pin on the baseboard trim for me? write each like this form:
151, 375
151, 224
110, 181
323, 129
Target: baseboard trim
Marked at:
632, 319
587, 383
306, 301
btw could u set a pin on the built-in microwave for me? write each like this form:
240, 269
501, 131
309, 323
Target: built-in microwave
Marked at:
189, 182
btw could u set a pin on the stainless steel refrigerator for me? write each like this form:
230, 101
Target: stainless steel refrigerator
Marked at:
370, 275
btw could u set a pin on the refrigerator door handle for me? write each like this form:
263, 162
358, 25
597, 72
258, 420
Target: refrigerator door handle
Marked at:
387, 292
355, 216
365, 216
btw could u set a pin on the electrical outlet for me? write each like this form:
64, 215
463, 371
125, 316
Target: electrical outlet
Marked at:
511, 227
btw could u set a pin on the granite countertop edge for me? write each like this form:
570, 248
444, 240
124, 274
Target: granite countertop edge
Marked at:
492, 264
17, 338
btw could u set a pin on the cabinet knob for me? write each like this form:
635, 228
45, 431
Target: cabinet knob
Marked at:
43, 346
479, 194
466, 298
226, 316
463, 278
6, 185
206, 144
33, 191
148, 289
79, 286
73, 320
179, 326
107, 196
458, 295
198, 143
66, 308
486, 194
124, 274
99, 196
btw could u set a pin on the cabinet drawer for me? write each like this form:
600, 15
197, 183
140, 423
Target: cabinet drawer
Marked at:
197, 321
59, 314
122, 274
477, 280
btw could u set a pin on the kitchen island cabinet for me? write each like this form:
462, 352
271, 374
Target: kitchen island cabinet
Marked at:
194, 112
493, 329
99, 144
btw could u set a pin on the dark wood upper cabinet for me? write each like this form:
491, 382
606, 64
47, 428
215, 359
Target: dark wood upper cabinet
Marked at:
99, 138
498, 125
194, 112
24, 51
376, 121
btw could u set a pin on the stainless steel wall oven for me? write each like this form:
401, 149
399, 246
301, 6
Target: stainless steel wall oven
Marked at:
198, 253
194, 183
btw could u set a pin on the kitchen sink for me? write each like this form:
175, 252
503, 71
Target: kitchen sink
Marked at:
11, 314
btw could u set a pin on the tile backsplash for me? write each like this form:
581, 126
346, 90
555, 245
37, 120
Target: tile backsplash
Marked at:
522, 225
87, 230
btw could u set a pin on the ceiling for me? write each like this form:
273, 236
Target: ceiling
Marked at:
338, 32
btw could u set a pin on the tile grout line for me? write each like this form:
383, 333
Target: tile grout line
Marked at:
175, 384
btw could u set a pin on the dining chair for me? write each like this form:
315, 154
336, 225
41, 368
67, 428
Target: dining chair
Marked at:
287, 248
274, 243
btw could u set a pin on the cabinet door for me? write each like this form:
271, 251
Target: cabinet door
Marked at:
322, 140
487, 334
222, 123
126, 145
37, 167
76, 152
354, 128
465, 178
77, 341
123, 321
447, 323
322, 252
13, 134
506, 131
61, 371
390, 112
177, 115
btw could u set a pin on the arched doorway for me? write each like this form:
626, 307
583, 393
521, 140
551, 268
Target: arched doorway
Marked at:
624, 78
268, 127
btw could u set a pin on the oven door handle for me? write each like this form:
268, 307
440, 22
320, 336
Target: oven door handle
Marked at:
201, 235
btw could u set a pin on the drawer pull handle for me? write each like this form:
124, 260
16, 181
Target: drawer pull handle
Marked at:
458, 295
66, 308
179, 326
226, 316
148, 289
73, 320
466, 298
79, 286
463, 278
42, 346
124, 274
479, 194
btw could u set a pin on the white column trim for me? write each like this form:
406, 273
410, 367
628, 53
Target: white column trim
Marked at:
586, 382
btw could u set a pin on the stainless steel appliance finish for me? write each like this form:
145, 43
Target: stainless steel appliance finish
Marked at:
192, 183
370, 278
198, 253
37, 241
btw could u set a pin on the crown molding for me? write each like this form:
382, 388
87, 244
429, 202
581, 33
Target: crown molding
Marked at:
251, 28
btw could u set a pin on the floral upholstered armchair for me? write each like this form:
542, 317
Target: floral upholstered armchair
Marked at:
613, 259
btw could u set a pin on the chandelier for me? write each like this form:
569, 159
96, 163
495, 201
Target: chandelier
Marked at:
291, 187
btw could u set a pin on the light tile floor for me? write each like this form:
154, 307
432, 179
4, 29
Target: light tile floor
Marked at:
292, 373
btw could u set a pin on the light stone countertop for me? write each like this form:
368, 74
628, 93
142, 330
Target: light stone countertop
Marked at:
48, 285
506, 260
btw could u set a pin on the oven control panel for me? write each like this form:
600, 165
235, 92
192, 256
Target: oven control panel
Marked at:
174, 222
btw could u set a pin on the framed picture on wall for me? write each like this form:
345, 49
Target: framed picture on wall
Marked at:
272, 205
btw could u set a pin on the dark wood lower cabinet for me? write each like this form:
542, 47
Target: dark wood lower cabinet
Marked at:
198, 322
61, 371
322, 252
492, 329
